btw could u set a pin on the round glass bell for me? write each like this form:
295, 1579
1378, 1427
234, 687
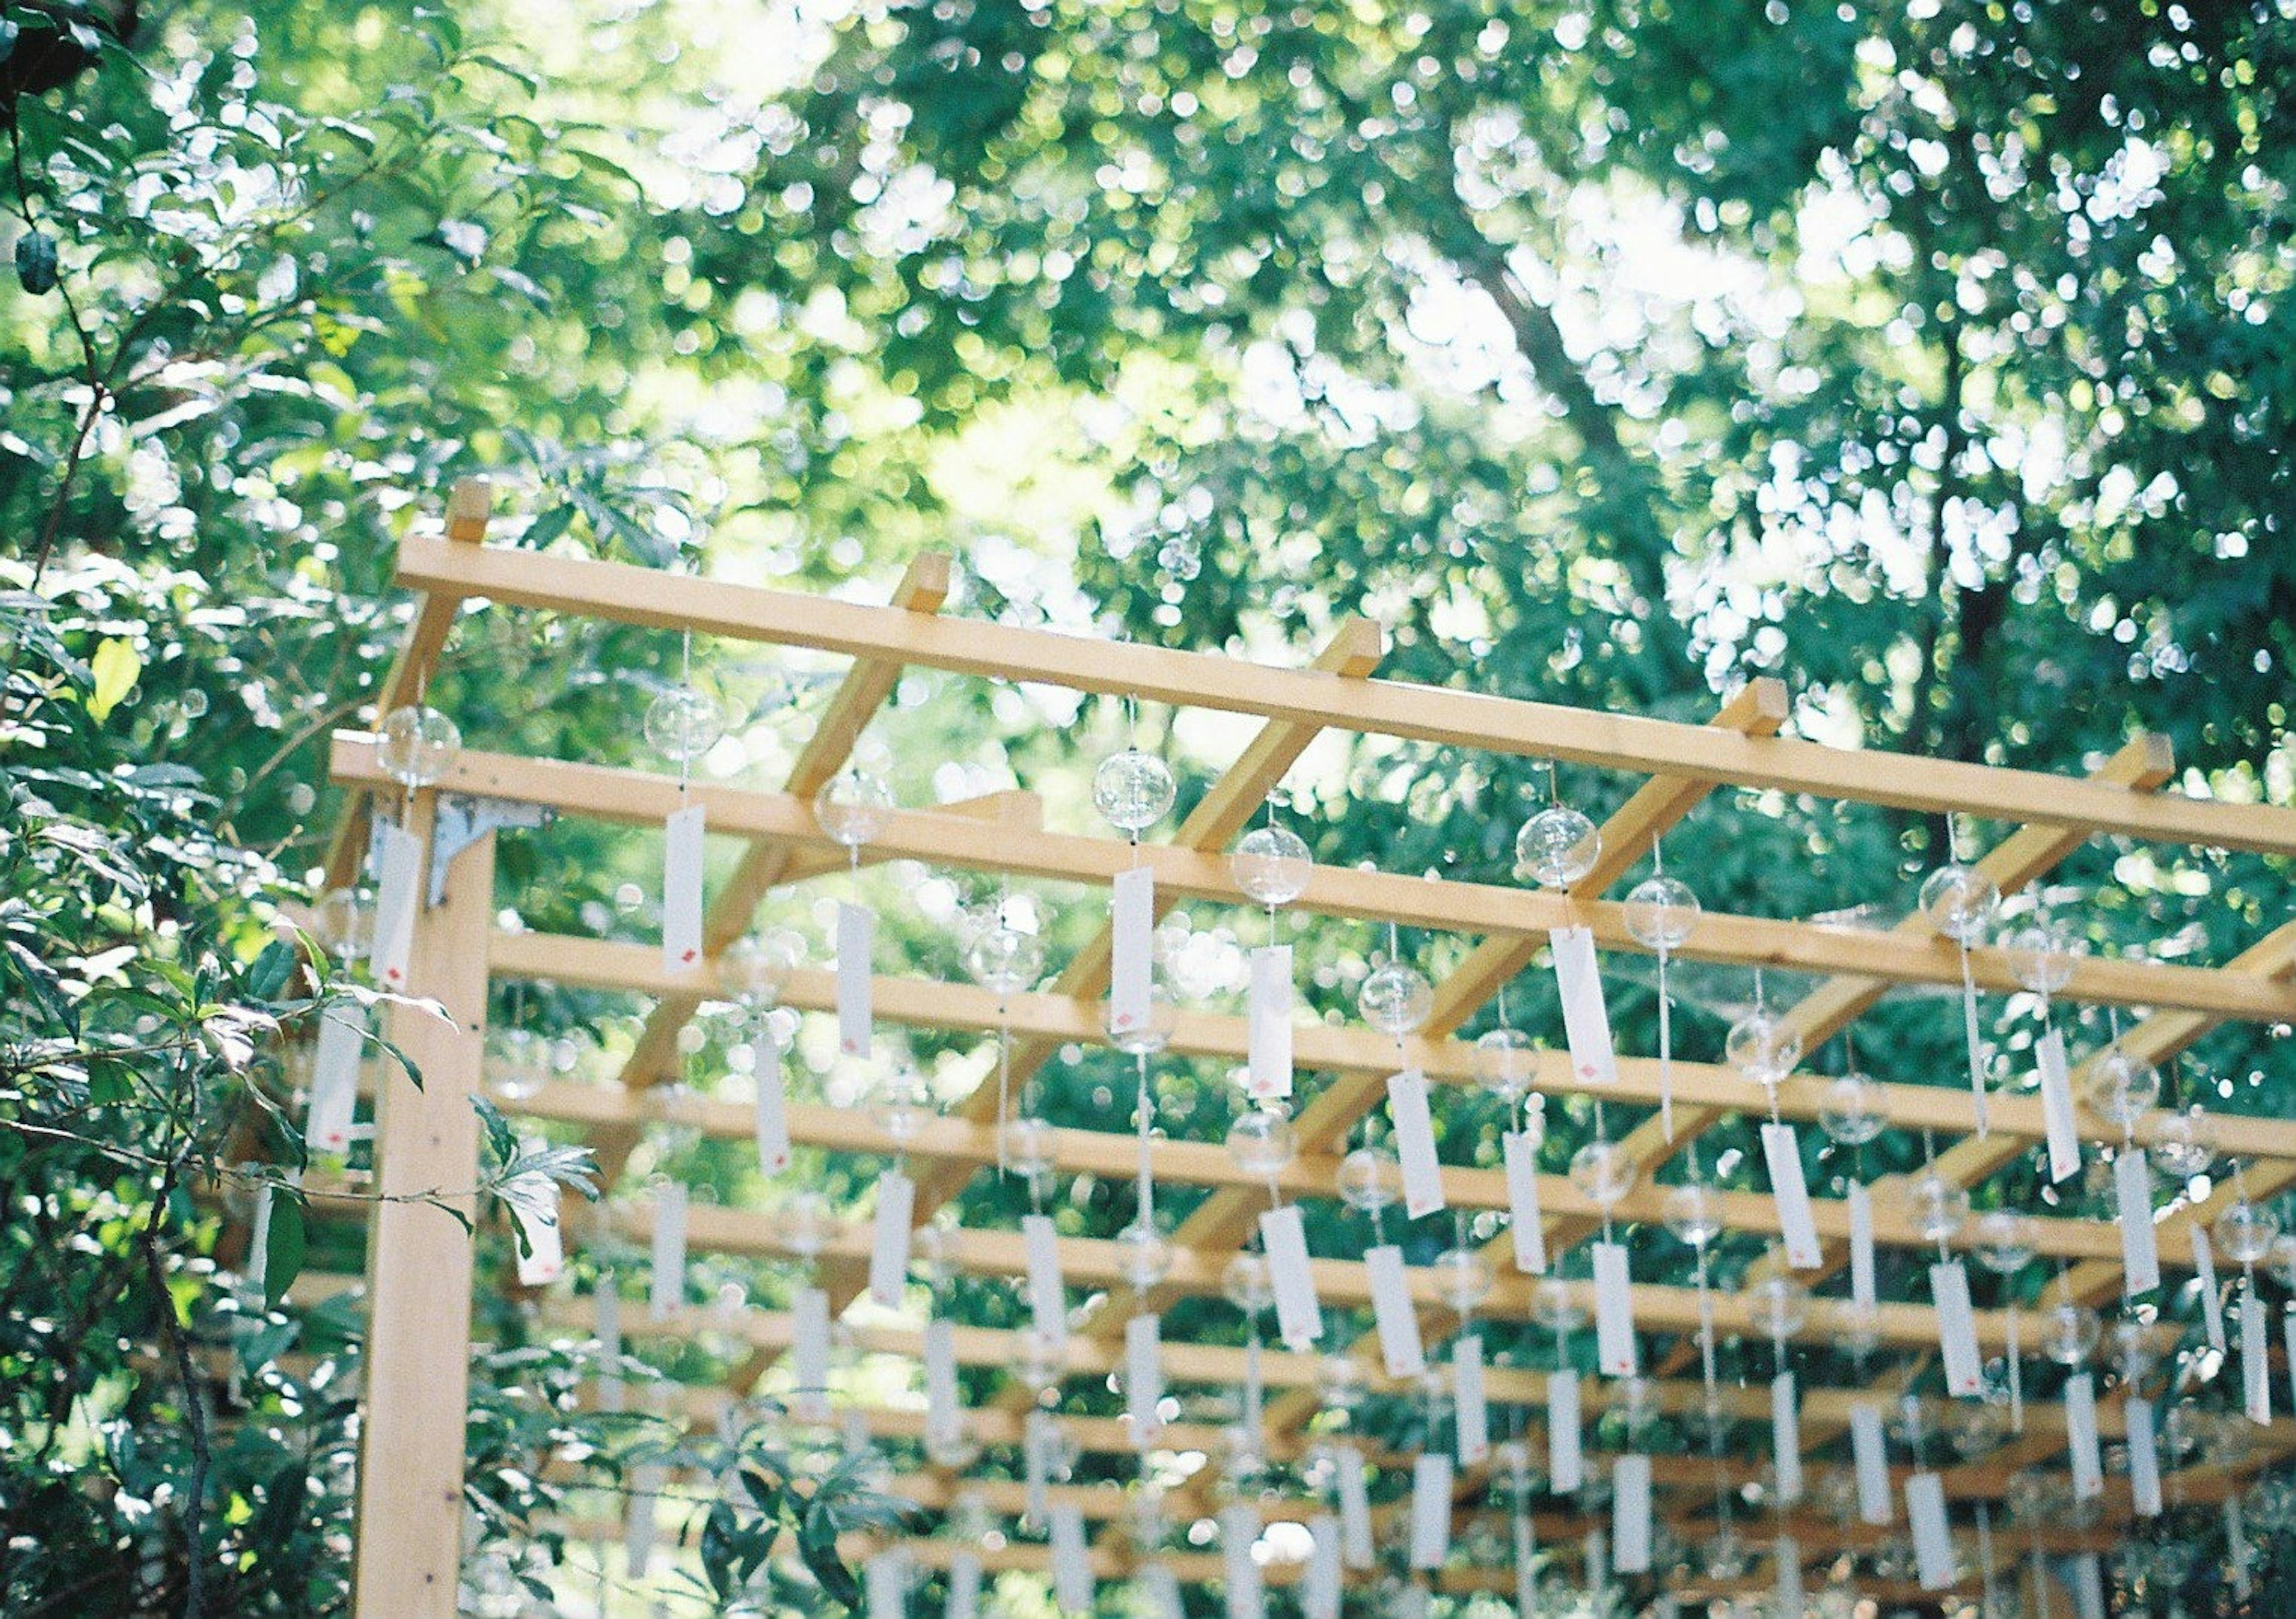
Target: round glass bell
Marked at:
1551, 1302
947, 1446
1506, 1062
2041, 955
1761, 1047
805, 1223
1395, 999
900, 1104
1260, 1143
1272, 865
523, 1065
1133, 790
1042, 1362
1462, 1278
2121, 1088
1005, 959
758, 966
2133, 1350
1144, 1258
1245, 1284
934, 1244
1661, 913
1693, 1213
2069, 1332
2005, 1240
1028, 1146
1935, 1207
1778, 1305
683, 725
2184, 1143
416, 745
1856, 1328
1369, 1180
1557, 846
1976, 1427
1850, 1111
1339, 1384
853, 808
1725, 1555
1961, 902
2245, 1232
1604, 1173
1146, 1039
2281, 1258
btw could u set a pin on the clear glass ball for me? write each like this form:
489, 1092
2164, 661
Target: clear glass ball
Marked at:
948, 1445
1850, 1111
2041, 955
1339, 1384
1462, 1278
1146, 1039
1005, 959
1144, 1258
2133, 1350
417, 746
807, 1223
853, 808
2283, 1260
682, 724
1936, 1208
340, 924
676, 1129
1506, 1062
1604, 1173
1042, 1362
1856, 1328
2272, 1504
759, 965
1661, 913
1272, 865
1245, 1284
2119, 1087
1693, 1213
2245, 1232
1261, 1144
934, 1244
1133, 790
523, 1065
1976, 1427
1029, 1147
1762, 1047
1725, 1555
900, 1104
1396, 998
1779, 1304
2069, 1332
2005, 1240
1961, 902
1369, 1180
2180, 1431
1551, 1302
2184, 1143
1557, 846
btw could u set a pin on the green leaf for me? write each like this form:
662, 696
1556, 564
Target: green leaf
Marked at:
816, 1546
283, 1245
116, 666
271, 971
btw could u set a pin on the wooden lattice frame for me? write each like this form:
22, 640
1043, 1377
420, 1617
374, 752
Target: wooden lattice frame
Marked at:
419, 1271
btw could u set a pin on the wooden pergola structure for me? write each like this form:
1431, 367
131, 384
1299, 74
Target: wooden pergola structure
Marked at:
420, 1268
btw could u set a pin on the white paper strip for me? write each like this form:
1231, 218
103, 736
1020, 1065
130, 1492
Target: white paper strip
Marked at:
1785, 1435
2140, 1252
2088, 1585
1355, 1508
2143, 1457
2236, 1548
1414, 1142
1781, 1151
885, 1581
1071, 1569
608, 1303
1048, 1299
2081, 1450
857, 931
1267, 1050
1247, 1594
1320, 1586
2057, 1108
2288, 1347
1630, 1514
2255, 1369
941, 1412
1872, 1463
1586, 1021
1521, 1151
1298, 1318
334, 1079
2204, 1263
809, 1353
680, 888
1861, 1245
544, 1260
1143, 1377
1964, 1369
258, 1237
397, 890
638, 1522
1614, 1311
1399, 1347
1526, 1567
964, 1587
1161, 1590
1431, 1510
1788, 1562
1475, 1416
1933, 1559
668, 1291
1037, 1440
772, 1105
1565, 1458
888, 1258
1132, 949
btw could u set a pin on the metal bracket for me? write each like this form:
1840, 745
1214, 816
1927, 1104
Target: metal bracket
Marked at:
461, 820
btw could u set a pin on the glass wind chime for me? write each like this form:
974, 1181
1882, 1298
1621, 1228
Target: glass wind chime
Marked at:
1961, 902
1764, 1048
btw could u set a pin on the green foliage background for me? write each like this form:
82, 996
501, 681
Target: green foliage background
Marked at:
1935, 358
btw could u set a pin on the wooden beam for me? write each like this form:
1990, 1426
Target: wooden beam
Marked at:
409, 1529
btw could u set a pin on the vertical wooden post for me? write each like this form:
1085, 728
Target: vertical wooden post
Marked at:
409, 1532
